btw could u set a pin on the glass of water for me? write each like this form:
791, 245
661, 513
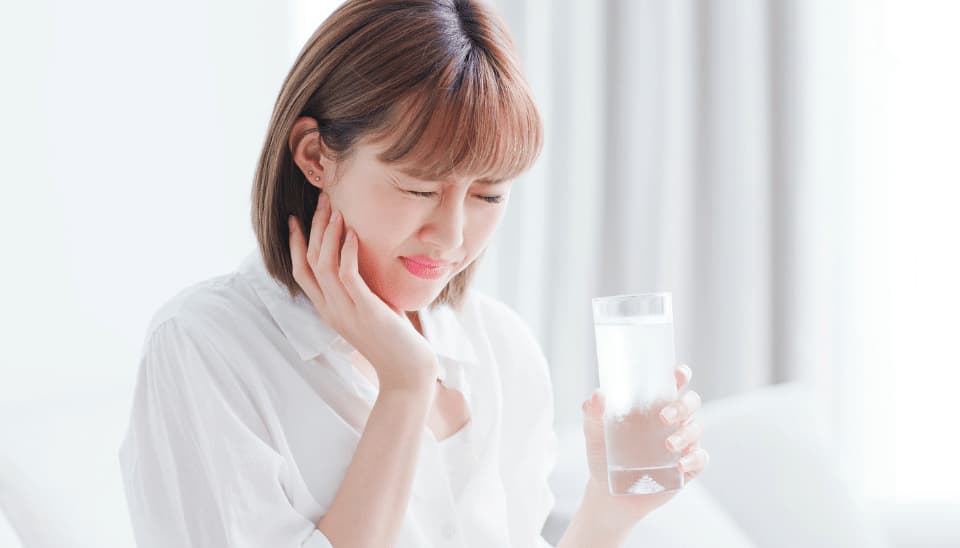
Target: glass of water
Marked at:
636, 358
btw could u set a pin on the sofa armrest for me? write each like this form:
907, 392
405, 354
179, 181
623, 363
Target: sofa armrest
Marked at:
772, 470
692, 518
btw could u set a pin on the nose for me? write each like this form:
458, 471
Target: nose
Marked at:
444, 229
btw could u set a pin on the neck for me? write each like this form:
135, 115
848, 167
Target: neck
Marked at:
414, 318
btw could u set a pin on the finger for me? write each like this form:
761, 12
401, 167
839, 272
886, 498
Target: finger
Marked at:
302, 272
593, 414
593, 423
327, 266
685, 437
595, 404
329, 255
683, 374
349, 270
677, 411
692, 448
321, 217
695, 462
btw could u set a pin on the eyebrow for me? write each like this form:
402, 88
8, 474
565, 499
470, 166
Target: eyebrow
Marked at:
481, 181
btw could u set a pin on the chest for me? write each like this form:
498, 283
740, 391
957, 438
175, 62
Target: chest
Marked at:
449, 412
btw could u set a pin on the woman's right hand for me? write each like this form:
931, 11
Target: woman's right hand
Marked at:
329, 275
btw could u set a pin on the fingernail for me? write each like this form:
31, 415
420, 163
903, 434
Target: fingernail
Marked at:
669, 414
587, 404
675, 441
686, 463
336, 217
687, 371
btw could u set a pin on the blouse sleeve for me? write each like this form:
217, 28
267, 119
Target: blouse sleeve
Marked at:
529, 449
197, 471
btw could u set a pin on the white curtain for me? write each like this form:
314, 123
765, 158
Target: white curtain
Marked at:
711, 149
669, 166
739, 154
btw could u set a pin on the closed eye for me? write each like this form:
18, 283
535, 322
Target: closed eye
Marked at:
421, 194
488, 199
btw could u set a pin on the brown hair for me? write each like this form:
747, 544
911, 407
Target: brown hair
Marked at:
438, 79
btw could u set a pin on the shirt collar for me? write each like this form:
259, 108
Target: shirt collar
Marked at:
310, 336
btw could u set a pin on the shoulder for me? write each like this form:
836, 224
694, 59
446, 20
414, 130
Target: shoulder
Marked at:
511, 336
200, 312
525, 381
192, 346
501, 318
496, 312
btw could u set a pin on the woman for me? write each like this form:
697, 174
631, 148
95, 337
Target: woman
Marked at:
345, 386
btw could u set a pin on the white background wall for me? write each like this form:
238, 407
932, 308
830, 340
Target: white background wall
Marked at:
130, 134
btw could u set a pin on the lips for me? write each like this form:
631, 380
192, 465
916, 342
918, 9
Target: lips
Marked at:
427, 261
424, 271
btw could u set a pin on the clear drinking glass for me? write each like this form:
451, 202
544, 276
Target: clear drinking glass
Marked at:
636, 358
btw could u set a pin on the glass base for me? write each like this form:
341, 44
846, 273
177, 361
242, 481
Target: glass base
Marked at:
644, 481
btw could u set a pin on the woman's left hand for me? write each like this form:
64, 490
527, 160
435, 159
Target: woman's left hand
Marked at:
628, 509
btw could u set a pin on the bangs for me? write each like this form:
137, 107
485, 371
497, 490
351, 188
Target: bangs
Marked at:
468, 121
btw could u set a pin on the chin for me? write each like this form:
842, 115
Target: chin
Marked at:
411, 297
411, 301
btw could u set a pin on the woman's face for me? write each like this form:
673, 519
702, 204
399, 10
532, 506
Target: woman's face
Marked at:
451, 223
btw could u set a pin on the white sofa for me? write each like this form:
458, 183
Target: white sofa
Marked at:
768, 483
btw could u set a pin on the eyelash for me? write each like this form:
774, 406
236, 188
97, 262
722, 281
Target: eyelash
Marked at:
488, 199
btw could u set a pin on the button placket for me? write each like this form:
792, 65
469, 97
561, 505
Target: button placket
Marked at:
449, 531
430, 482
434, 494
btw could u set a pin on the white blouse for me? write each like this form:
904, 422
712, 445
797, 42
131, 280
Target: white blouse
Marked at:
247, 412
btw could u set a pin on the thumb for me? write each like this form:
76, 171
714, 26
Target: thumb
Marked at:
593, 420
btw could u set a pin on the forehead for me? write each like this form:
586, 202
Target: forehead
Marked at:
453, 180
372, 151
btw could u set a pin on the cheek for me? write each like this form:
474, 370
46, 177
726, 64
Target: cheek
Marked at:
380, 238
382, 217
481, 229
373, 265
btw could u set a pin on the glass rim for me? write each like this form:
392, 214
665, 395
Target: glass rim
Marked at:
628, 296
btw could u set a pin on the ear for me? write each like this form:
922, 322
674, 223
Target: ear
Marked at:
308, 152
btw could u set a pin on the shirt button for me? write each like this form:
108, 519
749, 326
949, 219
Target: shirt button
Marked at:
449, 531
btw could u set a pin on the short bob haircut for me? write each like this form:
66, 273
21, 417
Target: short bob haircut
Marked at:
438, 80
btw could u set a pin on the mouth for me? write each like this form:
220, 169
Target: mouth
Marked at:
425, 271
